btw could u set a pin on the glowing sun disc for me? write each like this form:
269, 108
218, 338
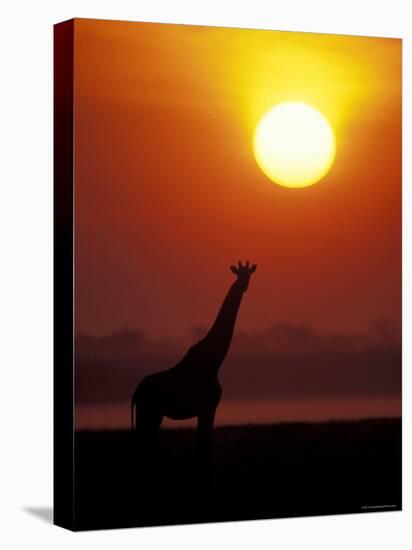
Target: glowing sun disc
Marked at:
294, 144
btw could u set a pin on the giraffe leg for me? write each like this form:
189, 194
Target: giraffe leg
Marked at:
203, 472
148, 422
204, 435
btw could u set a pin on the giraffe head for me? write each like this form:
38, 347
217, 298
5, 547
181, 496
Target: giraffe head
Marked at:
243, 273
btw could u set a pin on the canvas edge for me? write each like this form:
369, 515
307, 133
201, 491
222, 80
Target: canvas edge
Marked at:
63, 248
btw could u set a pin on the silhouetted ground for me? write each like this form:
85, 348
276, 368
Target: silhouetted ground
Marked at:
263, 471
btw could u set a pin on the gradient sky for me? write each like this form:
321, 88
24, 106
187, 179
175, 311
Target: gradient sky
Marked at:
168, 193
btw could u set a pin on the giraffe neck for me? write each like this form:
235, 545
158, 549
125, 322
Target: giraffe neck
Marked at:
220, 335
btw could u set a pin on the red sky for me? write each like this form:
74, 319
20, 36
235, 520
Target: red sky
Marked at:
168, 193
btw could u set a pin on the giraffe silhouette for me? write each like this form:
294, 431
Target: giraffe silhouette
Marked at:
191, 388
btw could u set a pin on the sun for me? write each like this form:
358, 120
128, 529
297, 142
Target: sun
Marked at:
294, 144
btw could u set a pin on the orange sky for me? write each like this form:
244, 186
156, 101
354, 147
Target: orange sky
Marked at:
168, 192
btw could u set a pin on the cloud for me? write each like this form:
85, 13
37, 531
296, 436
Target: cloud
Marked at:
109, 367
289, 361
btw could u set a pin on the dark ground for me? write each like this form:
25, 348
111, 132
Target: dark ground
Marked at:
263, 471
